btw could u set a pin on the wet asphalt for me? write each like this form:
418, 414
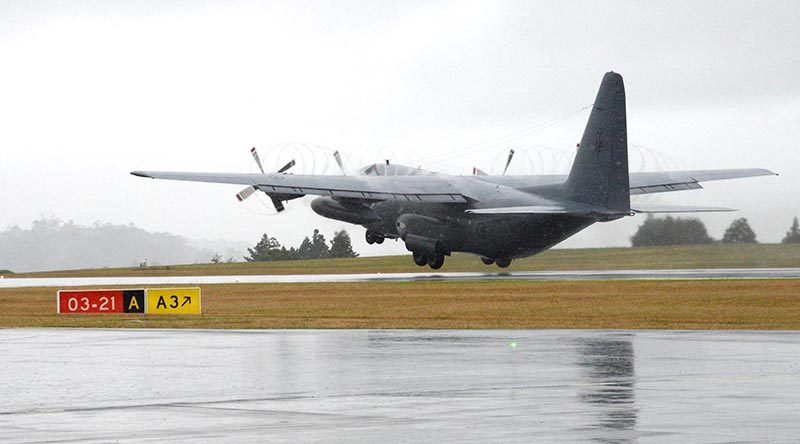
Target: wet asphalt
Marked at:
86, 385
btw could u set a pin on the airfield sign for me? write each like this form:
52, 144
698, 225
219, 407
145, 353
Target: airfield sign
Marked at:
173, 301
176, 301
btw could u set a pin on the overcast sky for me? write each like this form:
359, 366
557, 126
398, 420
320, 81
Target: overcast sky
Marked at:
90, 91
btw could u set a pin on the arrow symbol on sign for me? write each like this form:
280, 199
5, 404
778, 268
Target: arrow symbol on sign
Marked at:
186, 300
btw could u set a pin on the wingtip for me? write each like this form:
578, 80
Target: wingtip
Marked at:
768, 172
141, 174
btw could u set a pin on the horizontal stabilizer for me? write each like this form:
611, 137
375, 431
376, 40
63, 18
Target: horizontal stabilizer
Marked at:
646, 208
659, 182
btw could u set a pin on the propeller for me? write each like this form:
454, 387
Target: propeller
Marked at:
479, 172
508, 161
254, 153
247, 192
339, 162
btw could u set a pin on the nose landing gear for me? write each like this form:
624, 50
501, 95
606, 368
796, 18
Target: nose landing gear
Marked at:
373, 238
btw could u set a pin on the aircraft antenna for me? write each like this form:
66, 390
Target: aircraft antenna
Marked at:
505, 138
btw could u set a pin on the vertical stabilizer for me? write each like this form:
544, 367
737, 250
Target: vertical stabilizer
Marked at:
599, 174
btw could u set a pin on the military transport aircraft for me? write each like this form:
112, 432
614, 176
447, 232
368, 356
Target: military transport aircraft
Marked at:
499, 218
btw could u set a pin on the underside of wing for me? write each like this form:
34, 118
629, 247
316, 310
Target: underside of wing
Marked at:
647, 208
574, 209
529, 209
646, 183
431, 189
587, 210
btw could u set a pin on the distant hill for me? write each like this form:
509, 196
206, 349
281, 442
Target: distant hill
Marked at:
51, 244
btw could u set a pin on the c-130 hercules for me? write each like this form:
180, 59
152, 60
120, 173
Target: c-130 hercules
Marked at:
499, 218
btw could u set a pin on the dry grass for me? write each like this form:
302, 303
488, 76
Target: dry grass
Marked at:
730, 304
684, 256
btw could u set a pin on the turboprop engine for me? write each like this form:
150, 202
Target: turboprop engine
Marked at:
420, 233
343, 210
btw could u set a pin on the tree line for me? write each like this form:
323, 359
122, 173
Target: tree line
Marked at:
315, 247
684, 231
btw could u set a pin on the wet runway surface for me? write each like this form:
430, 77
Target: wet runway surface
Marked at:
63, 385
603, 275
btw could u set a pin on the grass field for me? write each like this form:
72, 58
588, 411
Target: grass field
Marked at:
714, 304
731, 304
686, 256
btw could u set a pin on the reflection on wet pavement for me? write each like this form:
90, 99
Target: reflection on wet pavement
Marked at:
608, 365
64, 385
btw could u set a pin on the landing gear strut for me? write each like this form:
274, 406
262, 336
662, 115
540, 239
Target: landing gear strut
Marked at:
373, 238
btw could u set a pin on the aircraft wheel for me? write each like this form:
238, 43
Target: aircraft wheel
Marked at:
503, 263
487, 260
436, 261
379, 239
370, 237
419, 258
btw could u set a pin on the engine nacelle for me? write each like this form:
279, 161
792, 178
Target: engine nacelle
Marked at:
420, 233
423, 244
331, 208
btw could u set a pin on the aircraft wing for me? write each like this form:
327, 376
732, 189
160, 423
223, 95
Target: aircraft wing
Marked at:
588, 210
640, 183
446, 189
578, 210
648, 208
646, 183
428, 188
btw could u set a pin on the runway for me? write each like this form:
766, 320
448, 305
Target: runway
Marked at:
64, 385
602, 275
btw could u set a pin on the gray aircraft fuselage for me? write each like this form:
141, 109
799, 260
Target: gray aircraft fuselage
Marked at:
447, 228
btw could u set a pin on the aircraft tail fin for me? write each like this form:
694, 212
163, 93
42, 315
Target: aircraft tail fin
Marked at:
599, 174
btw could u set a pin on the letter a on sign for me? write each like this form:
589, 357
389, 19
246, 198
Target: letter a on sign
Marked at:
133, 301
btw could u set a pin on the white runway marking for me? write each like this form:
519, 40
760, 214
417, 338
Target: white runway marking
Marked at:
603, 275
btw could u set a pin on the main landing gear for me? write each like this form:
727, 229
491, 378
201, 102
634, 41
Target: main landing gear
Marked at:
374, 238
502, 263
434, 261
